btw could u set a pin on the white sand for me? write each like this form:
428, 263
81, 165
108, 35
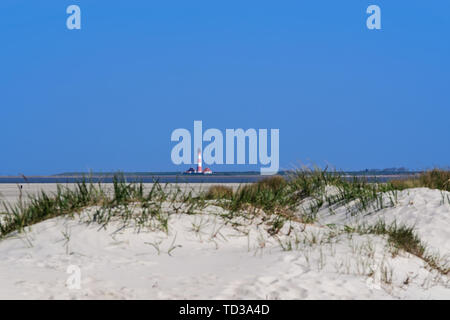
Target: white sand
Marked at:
220, 262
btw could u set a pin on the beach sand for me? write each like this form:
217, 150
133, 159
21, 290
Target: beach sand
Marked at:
202, 257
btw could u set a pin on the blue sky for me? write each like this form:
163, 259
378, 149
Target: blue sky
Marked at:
108, 96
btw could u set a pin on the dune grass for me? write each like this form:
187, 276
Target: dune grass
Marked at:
282, 195
400, 236
44, 206
403, 237
270, 194
68, 201
298, 197
219, 192
433, 179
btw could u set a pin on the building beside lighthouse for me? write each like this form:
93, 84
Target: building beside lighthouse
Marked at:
207, 171
200, 169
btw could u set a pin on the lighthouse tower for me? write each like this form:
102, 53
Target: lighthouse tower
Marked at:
199, 162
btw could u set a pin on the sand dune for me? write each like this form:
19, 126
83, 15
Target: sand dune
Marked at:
202, 257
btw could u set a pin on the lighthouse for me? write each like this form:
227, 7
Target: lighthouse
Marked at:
200, 169
199, 162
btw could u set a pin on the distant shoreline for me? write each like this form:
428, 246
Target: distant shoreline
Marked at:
180, 178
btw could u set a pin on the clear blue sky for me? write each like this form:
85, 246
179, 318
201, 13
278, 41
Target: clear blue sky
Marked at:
108, 96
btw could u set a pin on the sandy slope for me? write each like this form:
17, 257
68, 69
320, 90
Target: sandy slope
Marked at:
219, 261
425, 209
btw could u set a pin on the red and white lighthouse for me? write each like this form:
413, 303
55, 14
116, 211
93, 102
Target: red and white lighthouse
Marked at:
199, 162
